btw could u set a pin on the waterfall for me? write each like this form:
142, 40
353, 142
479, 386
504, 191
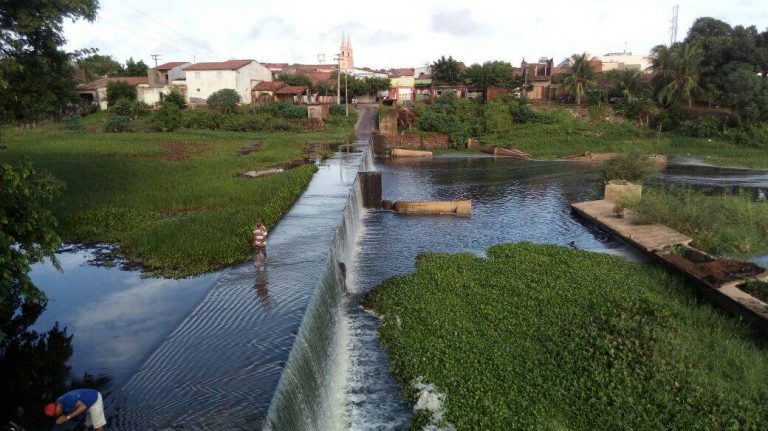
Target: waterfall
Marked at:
302, 399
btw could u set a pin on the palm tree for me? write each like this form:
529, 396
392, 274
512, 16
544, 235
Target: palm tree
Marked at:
580, 77
628, 81
678, 67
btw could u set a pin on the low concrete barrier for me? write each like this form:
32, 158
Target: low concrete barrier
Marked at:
459, 208
497, 151
400, 152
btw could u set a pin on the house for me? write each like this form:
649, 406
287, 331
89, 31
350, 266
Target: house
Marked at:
624, 61
264, 92
401, 88
96, 91
166, 73
537, 79
422, 90
291, 94
204, 79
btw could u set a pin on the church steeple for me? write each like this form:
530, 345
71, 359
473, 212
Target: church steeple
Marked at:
346, 58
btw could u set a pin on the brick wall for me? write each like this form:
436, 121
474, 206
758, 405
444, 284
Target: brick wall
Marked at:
409, 141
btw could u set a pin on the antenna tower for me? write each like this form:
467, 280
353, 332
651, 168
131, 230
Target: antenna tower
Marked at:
673, 25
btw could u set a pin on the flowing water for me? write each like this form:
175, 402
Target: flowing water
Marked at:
289, 347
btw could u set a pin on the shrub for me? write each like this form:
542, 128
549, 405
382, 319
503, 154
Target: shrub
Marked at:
175, 98
669, 119
749, 135
633, 167
118, 123
201, 119
497, 117
73, 122
168, 118
289, 110
139, 109
120, 90
706, 127
338, 109
224, 100
122, 107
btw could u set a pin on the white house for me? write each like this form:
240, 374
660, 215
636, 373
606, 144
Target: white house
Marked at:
204, 79
625, 60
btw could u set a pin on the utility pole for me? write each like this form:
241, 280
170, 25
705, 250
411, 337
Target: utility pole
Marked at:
155, 57
346, 95
338, 78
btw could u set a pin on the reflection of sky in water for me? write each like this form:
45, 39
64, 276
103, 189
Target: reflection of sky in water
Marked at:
116, 317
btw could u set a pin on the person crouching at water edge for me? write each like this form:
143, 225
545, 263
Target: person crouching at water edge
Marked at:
76, 402
260, 242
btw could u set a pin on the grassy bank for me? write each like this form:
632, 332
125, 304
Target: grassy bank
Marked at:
725, 225
172, 201
568, 135
547, 337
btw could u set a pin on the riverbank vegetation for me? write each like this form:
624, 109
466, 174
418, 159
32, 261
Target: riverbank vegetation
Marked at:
548, 337
731, 224
173, 202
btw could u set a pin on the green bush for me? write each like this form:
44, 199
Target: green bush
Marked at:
120, 90
224, 100
122, 107
706, 127
669, 119
74, 122
139, 109
337, 109
166, 119
497, 117
176, 98
749, 135
201, 119
633, 167
544, 337
118, 123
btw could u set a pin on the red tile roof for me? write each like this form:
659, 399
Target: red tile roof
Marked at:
292, 89
269, 86
102, 82
318, 77
275, 65
402, 72
170, 65
220, 65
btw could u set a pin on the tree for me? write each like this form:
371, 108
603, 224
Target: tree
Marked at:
580, 77
677, 70
492, 74
33, 366
446, 71
117, 90
627, 82
133, 68
36, 76
96, 66
224, 100
295, 79
743, 91
176, 98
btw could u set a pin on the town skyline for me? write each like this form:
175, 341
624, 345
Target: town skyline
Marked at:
140, 29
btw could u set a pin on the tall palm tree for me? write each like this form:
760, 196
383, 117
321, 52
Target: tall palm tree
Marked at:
679, 67
628, 81
580, 77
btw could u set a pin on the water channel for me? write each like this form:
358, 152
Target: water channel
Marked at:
290, 347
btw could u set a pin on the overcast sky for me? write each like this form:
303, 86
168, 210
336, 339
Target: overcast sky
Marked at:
391, 33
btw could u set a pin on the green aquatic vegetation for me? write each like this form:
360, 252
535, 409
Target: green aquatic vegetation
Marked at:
548, 337
756, 288
725, 225
173, 202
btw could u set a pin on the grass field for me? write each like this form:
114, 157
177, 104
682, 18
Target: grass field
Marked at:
548, 337
172, 201
726, 225
569, 136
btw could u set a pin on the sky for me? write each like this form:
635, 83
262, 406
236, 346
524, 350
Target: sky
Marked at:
391, 34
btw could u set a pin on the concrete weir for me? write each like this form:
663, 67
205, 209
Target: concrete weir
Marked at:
458, 208
717, 279
400, 152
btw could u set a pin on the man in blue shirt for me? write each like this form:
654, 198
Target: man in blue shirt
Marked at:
76, 402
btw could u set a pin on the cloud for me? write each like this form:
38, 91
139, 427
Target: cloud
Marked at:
270, 27
383, 37
456, 23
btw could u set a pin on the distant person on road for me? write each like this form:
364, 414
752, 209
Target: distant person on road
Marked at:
260, 242
77, 402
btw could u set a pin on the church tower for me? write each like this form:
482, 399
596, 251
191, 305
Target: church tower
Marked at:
346, 60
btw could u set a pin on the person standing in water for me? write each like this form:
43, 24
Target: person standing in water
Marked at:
260, 242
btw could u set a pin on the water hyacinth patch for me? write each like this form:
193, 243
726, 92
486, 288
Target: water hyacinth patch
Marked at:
547, 337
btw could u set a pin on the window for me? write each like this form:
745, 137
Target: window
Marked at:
218, 75
197, 75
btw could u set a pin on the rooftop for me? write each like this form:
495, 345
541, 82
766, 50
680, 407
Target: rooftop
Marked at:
103, 82
292, 89
220, 65
269, 86
170, 65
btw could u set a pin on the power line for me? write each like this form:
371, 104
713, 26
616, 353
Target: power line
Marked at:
136, 23
165, 26
134, 32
